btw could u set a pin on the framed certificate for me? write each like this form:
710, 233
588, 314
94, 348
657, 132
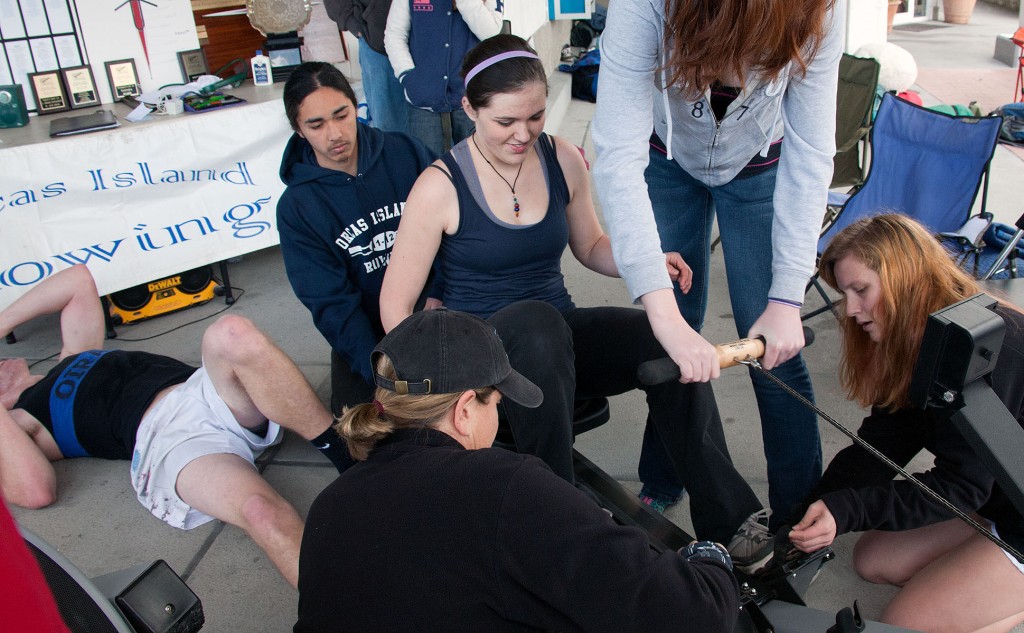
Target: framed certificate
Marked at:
124, 79
193, 64
81, 87
49, 92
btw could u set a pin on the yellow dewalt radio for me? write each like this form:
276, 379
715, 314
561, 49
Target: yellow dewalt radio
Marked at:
193, 287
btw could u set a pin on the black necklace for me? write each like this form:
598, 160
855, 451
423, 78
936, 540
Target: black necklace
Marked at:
511, 185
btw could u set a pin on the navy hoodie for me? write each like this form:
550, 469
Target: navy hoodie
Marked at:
337, 232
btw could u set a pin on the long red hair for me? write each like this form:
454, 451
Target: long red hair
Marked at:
917, 277
708, 40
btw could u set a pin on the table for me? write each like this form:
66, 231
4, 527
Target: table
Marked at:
142, 201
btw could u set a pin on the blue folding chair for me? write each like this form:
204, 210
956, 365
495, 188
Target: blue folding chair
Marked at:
926, 165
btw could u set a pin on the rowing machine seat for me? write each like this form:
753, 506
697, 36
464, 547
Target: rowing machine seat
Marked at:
587, 414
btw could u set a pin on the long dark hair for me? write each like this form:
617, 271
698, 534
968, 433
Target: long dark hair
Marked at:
503, 77
708, 40
308, 78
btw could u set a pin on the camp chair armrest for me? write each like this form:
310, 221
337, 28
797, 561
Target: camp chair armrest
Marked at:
970, 234
856, 138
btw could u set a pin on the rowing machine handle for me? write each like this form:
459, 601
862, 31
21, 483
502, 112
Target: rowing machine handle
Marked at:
655, 372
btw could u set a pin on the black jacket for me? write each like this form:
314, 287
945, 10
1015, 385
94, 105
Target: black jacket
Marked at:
427, 536
365, 19
861, 494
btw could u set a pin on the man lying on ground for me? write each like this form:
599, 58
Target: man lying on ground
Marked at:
192, 434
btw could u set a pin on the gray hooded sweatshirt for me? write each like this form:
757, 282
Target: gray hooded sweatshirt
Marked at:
632, 102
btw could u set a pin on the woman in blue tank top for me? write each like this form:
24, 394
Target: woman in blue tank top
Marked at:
500, 208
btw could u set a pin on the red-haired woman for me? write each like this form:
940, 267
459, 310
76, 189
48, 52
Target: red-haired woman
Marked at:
892, 274
741, 97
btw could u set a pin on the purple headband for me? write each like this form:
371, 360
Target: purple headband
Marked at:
500, 57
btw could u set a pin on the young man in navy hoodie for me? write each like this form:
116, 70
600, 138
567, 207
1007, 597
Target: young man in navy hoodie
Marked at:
346, 189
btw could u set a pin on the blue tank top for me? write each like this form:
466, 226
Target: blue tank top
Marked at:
489, 264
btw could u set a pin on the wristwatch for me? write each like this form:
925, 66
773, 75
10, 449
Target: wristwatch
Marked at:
707, 549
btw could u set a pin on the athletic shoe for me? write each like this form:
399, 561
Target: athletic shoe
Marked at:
752, 546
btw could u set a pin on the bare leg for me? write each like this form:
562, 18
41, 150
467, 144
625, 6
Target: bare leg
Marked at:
969, 586
972, 588
893, 558
258, 381
244, 499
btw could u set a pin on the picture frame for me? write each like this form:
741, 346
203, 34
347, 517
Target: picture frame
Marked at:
48, 90
81, 87
193, 64
123, 78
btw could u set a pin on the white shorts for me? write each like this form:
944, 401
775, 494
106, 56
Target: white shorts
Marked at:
1016, 563
189, 422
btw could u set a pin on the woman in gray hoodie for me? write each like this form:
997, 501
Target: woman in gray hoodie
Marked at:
721, 83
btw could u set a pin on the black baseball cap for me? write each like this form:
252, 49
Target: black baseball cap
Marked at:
446, 351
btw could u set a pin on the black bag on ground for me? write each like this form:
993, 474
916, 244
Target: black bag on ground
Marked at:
584, 75
1013, 122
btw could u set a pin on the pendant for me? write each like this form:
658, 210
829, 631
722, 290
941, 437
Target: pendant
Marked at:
515, 205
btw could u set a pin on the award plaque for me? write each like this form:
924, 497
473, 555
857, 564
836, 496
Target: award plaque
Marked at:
81, 87
124, 79
278, 16
49, 92
193, 64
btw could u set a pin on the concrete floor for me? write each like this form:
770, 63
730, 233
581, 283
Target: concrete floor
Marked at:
98, 524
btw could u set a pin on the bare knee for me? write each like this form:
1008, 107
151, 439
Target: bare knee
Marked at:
269, 516
874, 567
233, 338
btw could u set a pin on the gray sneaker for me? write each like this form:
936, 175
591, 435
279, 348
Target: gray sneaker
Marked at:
752, 546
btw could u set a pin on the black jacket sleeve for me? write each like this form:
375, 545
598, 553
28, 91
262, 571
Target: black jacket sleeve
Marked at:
861, 493
346, 15
554, 542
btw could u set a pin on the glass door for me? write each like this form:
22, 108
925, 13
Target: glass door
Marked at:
913, 11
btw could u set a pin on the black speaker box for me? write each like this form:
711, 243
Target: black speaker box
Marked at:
143, 599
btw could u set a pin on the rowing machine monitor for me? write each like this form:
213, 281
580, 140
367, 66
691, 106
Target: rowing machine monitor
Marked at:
960, 347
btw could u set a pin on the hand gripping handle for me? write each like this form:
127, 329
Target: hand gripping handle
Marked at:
655, 372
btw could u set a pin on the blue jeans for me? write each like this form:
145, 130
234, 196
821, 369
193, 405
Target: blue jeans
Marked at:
684, 210
385, 99
439, 131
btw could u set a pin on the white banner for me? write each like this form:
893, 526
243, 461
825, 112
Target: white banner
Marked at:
141, 202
